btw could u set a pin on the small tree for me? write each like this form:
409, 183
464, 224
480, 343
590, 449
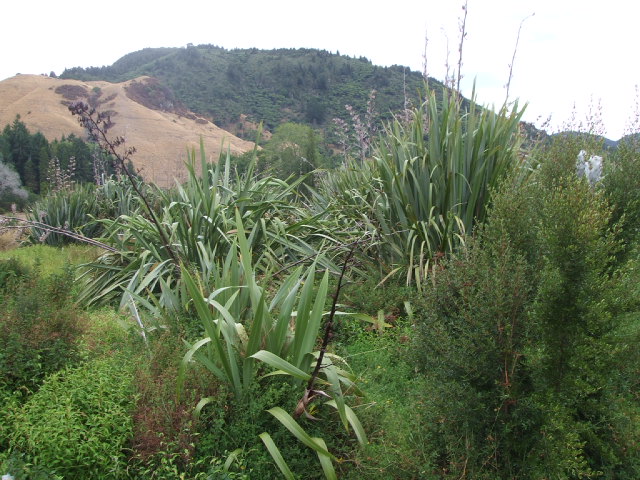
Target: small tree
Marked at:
293, 150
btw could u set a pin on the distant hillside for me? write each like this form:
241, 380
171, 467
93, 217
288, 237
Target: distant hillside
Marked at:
274, 86
145, 113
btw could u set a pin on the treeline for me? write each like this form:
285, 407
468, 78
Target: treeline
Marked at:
37, 160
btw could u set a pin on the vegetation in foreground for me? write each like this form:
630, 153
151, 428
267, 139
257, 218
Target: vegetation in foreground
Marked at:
488, 294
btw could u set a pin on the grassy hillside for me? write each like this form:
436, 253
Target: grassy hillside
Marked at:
142, 111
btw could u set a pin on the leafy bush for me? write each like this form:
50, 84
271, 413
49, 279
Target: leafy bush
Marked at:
19, 467
39, 330
516, 341
472, 329
79, 422
11, 270
164, 430
621, 180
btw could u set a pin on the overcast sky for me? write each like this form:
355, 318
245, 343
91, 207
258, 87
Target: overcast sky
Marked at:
570, 54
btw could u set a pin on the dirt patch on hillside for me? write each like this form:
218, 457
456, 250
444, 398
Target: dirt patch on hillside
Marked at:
149, 92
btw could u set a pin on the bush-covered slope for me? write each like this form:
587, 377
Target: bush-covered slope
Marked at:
273, 86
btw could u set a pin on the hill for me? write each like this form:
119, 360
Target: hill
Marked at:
271, 86
145, 113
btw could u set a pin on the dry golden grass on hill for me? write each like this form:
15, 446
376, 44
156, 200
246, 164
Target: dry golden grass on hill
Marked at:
162, 135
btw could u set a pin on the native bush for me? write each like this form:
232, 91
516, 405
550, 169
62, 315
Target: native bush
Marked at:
78, 423
621, 180
197, 222
516, 341
39, 330
472, 328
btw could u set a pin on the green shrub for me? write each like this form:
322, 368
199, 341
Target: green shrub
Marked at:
11, 270
39, 330
164, 429
517, 340
79, 422
19, 467
230, 423
471, 331
621, 180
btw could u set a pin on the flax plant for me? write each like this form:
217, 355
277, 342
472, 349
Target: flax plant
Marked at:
198, 219
246, 323
429, 181
73, 210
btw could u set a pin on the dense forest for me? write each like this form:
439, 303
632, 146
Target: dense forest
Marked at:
271, 86
37, 159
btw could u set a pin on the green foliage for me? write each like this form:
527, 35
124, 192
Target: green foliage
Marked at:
516, 341
11, 271
429, 182
20, 467
472, 329
621, 179
67, 210
226, 424
77, 209
49, 260
292, 151
78, 423
392, 411
199, 219
165, 432
270, 86
39, 330
30, 154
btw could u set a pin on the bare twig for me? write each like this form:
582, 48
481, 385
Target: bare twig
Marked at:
513, 59
463, 34
97, 127
19, 223
310, 392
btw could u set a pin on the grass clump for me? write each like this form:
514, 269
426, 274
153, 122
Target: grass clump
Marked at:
391, 412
